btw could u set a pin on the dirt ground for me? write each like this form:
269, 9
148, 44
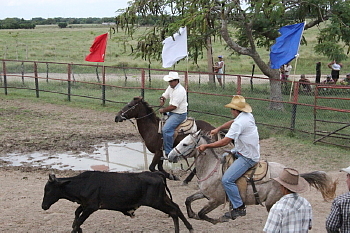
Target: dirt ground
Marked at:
27, 127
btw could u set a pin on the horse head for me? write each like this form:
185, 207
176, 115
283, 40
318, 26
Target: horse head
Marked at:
186, 148
130, 110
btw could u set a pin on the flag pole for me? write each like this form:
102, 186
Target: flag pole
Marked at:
296, 62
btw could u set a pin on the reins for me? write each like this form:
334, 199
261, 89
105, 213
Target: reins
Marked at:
124, 116
212, 172
191, 148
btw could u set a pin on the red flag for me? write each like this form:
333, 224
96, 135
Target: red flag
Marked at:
98, 49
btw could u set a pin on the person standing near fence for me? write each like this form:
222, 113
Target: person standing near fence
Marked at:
176, 111
219, 69
285, 71
292, 213
335, 70
346, 80
339, 217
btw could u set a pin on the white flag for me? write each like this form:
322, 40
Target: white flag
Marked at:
174, 49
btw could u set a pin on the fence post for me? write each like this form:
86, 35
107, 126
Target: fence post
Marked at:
5, 78
36, 79
22, 71
143, 78
69, 81
103, 85
47, 72
294, 106
239, 84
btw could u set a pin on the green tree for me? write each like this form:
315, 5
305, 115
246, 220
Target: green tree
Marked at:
243, 25
62, 24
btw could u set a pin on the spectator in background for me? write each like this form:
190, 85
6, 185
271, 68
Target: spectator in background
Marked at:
292, 213
335, 70
304, 83
328, 80
339, 217
346, 80
285, 71
219, 69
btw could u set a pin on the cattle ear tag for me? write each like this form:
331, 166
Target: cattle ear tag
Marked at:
52, 177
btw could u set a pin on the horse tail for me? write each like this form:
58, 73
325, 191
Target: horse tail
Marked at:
322, 182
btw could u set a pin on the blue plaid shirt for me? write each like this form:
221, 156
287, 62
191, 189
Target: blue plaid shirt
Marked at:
292, 213
339, 218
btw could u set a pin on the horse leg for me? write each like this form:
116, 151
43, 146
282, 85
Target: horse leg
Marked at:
155, 161
159, 162
211, 205
189, 177
189, 200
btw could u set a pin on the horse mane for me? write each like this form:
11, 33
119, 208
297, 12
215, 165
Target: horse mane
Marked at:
207, 137
148, 108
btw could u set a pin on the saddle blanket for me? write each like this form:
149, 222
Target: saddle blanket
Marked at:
186, 127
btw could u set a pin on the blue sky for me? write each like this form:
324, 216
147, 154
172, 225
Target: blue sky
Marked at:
29, 9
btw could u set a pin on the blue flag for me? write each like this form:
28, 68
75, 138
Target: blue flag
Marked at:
287, 45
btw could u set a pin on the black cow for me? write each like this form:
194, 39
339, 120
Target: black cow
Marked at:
124, 192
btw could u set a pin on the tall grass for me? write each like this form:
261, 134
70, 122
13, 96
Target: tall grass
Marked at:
52, 44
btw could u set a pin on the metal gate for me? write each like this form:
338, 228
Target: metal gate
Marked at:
332, 115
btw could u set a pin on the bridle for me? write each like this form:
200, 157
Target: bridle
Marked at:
189, 150
125, 117
185, 153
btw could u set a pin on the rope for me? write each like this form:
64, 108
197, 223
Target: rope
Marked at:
212, 172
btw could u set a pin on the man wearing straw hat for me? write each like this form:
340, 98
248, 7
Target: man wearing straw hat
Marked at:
247, 150
292, 213
177, 109
339, 217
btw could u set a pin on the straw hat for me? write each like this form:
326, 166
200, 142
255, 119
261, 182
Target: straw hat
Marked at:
290, 179
347, 170
238, 103
171, 76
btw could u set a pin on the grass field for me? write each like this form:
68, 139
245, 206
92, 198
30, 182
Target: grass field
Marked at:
52, 44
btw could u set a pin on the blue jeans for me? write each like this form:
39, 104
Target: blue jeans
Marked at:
174, 120
235, 171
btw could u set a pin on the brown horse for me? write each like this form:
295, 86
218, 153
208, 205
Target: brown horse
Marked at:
147, 124
209, 172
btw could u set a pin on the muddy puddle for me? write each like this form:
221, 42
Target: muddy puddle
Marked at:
106, 157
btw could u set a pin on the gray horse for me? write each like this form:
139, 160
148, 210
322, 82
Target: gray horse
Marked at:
209, 174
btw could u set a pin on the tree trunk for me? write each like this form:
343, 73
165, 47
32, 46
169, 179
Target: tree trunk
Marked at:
275, 92
210, 61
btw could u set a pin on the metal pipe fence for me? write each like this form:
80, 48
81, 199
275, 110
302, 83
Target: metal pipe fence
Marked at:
321, 111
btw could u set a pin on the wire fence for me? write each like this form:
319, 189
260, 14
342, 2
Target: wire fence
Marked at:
320, 111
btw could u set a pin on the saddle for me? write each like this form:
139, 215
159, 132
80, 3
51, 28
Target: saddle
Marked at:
259, 172
186, 127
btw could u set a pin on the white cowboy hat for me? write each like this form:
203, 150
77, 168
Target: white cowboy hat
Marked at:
238, 103
171, 76
290, 179
347, 170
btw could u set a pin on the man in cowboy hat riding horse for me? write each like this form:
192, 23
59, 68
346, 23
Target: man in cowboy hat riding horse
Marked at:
177, 109
247, 150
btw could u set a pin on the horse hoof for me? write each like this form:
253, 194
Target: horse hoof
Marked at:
184, 183
173, 177
224, 219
